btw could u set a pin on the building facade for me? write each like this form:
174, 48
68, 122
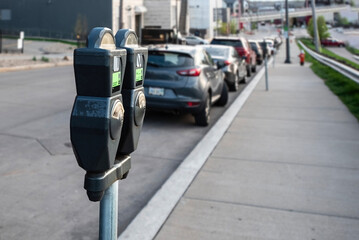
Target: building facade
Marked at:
201, 17
162, 13
66, 19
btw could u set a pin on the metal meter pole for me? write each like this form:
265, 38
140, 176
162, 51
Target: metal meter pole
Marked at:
315, 27
109, 213
287, 60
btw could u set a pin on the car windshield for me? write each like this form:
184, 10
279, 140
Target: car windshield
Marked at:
217, 52
227, 42
169, 59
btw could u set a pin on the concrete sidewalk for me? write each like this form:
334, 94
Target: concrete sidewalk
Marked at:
287, 167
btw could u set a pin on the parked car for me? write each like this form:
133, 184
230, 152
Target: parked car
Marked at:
233, 66
194, 40
243, 49
185, 79
258, 50
332, 42
265, 48
270, 45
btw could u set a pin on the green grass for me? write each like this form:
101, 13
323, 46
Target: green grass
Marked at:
328, 53
346, 89
352, 50
45, 59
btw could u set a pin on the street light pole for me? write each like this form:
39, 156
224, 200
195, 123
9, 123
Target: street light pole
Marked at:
315, 27
287, 60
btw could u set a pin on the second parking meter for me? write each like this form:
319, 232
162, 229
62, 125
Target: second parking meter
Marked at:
98, 113
132, 90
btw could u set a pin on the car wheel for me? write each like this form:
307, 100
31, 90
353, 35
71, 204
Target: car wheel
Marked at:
202, 118
244, 79
222, 101
248, 70
254, 68
235, 85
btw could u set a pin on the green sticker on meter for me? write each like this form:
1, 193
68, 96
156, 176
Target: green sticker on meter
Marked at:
139, 74
116, 79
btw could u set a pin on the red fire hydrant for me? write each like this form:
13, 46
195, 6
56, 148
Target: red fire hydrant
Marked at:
301, 57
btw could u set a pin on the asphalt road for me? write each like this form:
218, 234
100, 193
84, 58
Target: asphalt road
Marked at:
41, 184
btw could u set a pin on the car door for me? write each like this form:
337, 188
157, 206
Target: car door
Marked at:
216, 74
240, 63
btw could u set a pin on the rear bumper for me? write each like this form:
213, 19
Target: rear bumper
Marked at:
171, 102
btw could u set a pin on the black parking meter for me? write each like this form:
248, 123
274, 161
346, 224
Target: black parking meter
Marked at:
265, 49
134, 100
98, 113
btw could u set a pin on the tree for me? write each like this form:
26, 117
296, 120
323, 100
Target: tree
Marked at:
322, 28
228, 28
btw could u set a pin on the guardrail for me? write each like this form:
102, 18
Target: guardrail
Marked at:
339, 67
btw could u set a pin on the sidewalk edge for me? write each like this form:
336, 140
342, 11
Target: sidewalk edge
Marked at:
150, 219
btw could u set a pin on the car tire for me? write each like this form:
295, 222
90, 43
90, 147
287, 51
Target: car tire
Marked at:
222, 101
235, 85
254, 68
244, 79
248, 70
203, 118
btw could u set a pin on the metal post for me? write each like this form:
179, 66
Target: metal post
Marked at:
315, 27
287, 60
109, 213
266, 71
0, 41
121, 15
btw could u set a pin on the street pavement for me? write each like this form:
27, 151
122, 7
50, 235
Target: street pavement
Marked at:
286, 168
343, 52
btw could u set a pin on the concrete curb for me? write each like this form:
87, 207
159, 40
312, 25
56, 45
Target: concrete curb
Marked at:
149, 221
35, 66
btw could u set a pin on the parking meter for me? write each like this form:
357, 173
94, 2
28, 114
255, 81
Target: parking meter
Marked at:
98, 113
265, 49
134, 100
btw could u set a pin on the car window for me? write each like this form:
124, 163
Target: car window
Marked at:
169, 59
234, 53
202, 58
253, 45
217, 52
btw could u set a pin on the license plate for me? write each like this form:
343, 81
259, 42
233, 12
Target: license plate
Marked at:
156, 91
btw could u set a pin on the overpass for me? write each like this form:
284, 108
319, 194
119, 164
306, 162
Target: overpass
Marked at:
293, 13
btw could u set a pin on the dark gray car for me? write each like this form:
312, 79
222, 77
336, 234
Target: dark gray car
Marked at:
185, 79
233, 66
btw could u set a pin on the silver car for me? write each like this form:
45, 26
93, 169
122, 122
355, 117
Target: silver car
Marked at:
185, 79
194, 40
233, 66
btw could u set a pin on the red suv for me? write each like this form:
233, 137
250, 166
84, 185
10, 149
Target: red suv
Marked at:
332, 42
243, 48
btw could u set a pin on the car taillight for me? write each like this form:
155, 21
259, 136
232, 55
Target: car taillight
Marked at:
194, 72
192, 104
227, 62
